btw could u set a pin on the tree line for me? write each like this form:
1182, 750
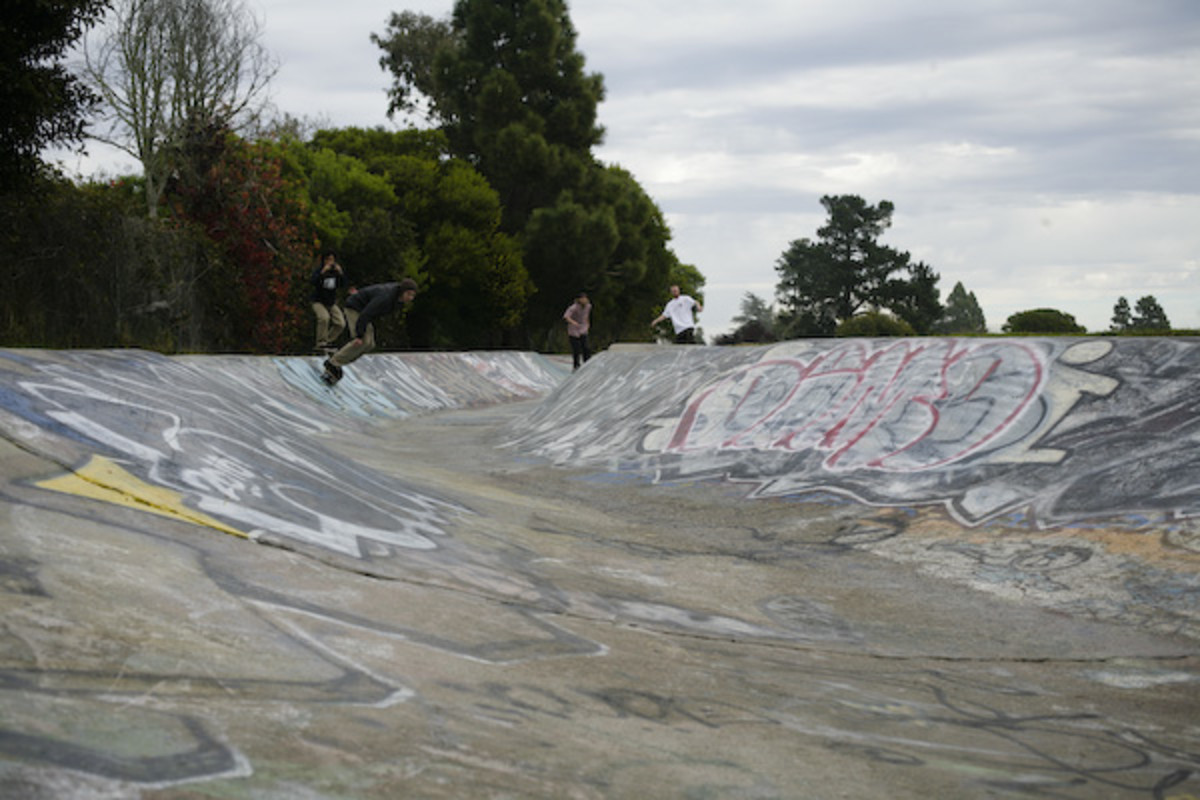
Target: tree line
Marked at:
497, 207
846, 283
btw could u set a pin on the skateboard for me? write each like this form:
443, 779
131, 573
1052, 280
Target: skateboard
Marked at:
332, 373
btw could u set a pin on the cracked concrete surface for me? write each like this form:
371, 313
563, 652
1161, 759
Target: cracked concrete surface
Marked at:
525, 628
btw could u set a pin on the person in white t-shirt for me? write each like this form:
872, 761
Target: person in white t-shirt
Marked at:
680, 309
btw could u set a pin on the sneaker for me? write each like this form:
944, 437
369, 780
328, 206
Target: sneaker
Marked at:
333, 369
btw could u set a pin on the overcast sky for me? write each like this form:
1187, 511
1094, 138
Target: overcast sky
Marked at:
1042, 152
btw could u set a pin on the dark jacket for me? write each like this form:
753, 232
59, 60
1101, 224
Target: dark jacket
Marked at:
372, 302
326, 295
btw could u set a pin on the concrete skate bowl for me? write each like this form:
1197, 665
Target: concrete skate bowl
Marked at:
1088, 448
232, 442
439, 624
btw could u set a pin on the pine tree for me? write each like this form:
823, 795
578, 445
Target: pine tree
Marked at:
847, 271
506, 84
43, 102
1149, 315
1122, 317
963, 314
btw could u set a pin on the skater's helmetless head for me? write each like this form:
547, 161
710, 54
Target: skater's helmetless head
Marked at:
408, 290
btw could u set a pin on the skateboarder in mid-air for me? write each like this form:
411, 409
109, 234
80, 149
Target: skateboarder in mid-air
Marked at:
362, 309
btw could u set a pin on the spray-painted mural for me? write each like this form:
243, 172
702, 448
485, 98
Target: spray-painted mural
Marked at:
411, 644
234, 441
1062, 430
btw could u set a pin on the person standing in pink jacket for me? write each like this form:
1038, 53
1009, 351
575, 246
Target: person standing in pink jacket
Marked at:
578, 316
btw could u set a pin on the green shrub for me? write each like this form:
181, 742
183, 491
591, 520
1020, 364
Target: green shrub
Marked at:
1042, 320
874, 323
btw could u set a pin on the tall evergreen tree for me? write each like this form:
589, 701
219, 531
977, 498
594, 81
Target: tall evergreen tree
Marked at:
755, 309
506, 84
1122, 317
914, 299
411, 47
1149, 315
962, 314
43, 103
847, 271
755, 322
515, 98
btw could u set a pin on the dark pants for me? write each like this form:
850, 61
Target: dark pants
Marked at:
580, 352
686, 336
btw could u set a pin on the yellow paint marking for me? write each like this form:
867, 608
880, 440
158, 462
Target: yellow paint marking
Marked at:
102, 479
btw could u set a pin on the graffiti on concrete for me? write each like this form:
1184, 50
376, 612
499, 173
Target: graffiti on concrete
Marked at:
328, 641
228, 458
905, 407
213, 624
222, 434
401, 385
1058, 430
237, 447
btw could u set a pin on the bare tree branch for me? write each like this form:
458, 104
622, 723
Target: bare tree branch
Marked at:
166, 69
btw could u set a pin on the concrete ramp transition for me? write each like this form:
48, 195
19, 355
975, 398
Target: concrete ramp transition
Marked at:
1053, 431
233, 442
818, 569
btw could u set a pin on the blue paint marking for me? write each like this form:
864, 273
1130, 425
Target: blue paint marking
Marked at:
349, 396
